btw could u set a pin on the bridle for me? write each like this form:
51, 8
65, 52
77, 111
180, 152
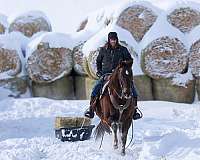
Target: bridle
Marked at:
120, 96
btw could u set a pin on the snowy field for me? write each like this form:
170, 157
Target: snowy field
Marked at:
168, 131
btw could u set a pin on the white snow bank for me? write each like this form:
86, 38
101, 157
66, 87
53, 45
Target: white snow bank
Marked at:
167, 131
193, 36
95, 22
3, 20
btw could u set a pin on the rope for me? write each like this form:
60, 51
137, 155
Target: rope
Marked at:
83, 122
131, 136
101, 141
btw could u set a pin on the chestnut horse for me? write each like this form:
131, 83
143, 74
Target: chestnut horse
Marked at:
115, 107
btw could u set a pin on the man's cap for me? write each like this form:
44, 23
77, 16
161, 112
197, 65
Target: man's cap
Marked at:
112, 35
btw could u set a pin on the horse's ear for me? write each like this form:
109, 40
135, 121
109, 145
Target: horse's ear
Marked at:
121, 63
129, 63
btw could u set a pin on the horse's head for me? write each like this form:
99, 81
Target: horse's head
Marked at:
125, 77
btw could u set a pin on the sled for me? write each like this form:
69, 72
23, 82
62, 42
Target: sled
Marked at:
73, 128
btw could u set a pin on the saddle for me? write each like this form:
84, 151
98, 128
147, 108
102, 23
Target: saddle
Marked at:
95, 102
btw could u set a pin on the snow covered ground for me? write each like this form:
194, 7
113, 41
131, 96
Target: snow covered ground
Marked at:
168, 131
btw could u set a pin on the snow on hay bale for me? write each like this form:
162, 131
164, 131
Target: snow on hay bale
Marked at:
3, 24
82, 25
164, 57
49, 57
184, 18
93, 23
30, 23
79, 62
137, 19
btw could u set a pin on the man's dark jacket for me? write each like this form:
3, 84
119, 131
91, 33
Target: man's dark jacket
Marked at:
109, 58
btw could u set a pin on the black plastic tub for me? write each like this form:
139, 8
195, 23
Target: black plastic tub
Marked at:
74, 133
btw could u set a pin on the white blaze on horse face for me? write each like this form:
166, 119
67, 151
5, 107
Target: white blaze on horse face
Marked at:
127, 73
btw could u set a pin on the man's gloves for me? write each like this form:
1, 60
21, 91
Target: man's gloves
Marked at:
99, 74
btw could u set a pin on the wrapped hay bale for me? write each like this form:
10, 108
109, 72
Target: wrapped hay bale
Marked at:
79, 62
13, 81
83, 87
10, 62
92, 66
137, 19
165, 89
66, 122
11, 57
49, 62
184, 18
49, 57
164, 57
194, 55
143, 85
30, 23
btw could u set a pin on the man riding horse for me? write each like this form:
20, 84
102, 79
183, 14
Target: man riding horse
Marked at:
109, 57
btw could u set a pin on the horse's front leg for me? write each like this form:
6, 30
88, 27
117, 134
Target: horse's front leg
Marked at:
124, 127
114, 128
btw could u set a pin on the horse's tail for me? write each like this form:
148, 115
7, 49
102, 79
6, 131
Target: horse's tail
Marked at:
101, 128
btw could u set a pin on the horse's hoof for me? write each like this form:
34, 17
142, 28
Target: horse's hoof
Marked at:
115, 146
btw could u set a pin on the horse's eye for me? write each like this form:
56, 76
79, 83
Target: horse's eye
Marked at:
127, 73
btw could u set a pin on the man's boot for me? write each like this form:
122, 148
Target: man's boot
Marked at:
136, 114
89, 113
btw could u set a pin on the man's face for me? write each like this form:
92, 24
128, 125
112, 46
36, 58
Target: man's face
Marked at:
113, 42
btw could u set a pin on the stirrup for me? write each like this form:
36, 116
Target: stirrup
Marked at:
137, 115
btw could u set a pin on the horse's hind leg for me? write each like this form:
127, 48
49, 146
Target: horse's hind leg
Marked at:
114, 128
